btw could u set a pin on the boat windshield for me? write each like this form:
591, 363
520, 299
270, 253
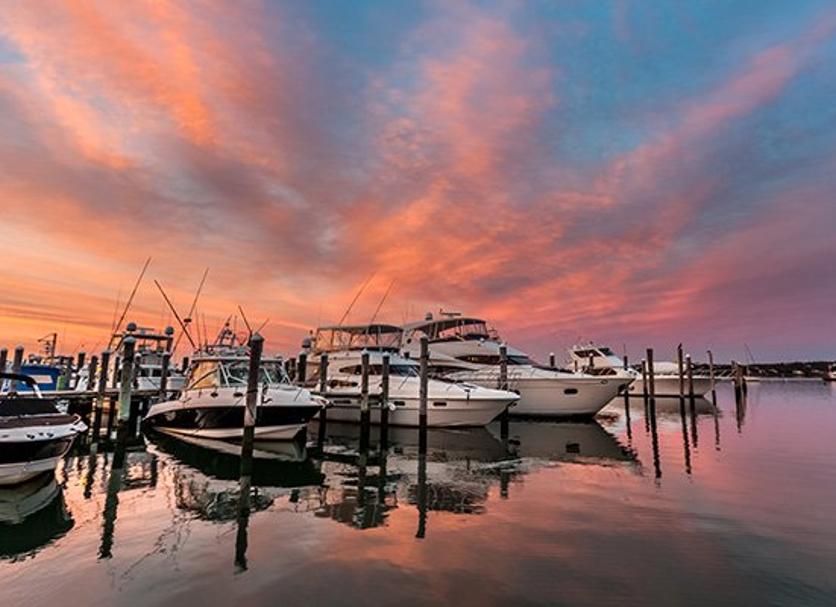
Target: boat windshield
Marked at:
493, 359
222, 374
466, 329
373, 337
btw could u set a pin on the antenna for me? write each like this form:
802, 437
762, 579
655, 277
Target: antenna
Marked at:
194, 305
380, 305
246, 322
176, 315
356, 297
130, 300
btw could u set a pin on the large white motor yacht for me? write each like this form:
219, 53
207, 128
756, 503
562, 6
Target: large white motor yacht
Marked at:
449, 404
213, 402
601, 361
463, 349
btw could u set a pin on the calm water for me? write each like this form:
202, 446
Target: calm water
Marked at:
737, 509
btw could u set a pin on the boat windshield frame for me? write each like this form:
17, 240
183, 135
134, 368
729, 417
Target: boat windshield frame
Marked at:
234, 373
382, 338
456, 329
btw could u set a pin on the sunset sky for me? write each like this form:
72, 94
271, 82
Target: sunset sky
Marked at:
635, 172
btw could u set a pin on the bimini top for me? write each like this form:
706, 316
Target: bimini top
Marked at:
450, 328
357, 337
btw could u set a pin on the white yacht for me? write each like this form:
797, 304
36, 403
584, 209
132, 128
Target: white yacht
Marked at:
602, 362
213, 402
449, 404
464, 349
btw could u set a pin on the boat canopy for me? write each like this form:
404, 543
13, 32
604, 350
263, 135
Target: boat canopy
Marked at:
233, 372
357, 337
451, 329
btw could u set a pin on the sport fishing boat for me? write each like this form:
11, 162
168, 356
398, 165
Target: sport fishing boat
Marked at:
213, 402
449, 404
464, 349
34, 435
598, 360
150, 349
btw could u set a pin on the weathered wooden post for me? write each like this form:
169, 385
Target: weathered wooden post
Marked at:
552, 362
251, 410
100, 395
626, 362
323, 388
711, 369
92, 372
422, 488
117, 371
82, 357
645, 392
4, 357
248, 437
365, 410
125, 387
591, 361
184, 364
302, 369
422, 393
680, 370
689, 369
651, 390
291, 369
384, 405
503, 385
17, 362
164, 371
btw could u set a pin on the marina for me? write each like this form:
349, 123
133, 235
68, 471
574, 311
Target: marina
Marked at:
542, 508
417, 302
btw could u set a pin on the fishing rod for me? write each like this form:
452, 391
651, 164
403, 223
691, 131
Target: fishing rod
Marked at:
188, 318
176, 315
246, 322
383, 299
130, 301
354, 301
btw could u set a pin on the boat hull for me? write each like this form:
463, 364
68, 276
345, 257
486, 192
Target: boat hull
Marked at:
564, 397
22, 461
668, 385
405, 412
227, 422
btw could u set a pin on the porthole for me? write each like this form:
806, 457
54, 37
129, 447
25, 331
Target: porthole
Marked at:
570, 391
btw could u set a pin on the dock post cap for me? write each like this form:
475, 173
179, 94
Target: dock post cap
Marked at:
131, 327
256, 337
130, 339
169, 330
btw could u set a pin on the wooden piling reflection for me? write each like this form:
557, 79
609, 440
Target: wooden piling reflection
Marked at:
651, 398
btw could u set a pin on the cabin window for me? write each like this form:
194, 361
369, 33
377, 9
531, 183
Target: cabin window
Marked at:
570, 391
399, 403
440, 403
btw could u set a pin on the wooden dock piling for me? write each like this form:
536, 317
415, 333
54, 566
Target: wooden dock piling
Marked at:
552, 361
503, 385
164, 372
384, 405
681, 371
99, 401
126, 382
17, 362
323, 388
251, 410
689, 370
651, 399
365, 409
422, 393
4, 356
302, 369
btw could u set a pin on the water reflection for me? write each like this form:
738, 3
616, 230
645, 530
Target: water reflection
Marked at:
577, 495
32, 515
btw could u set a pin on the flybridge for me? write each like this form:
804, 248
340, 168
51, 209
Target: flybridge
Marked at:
357, 337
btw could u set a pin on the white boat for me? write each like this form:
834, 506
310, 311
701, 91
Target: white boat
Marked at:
830, 374
213, 402
34, 435
148, 368
449, 404
463, 349
601, 361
